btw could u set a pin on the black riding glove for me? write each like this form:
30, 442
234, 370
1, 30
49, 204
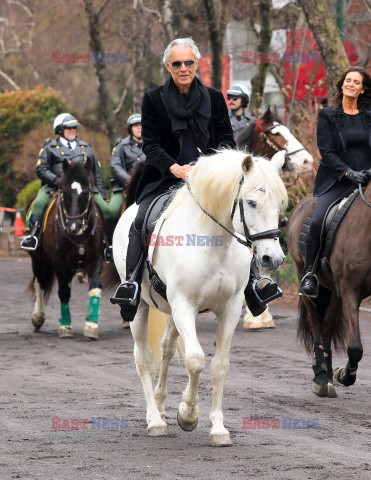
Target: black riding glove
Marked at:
356, 177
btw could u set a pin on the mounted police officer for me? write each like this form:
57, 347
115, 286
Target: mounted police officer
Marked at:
238, 100
125, 155
49, 170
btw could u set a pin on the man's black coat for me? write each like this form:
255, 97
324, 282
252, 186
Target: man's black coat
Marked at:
331, 137
162, 147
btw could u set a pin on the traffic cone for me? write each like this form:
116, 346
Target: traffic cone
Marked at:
19, 225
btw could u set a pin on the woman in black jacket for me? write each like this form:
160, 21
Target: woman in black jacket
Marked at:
344, 141
180, 120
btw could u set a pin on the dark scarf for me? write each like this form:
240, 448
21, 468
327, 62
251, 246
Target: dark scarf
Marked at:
192, 110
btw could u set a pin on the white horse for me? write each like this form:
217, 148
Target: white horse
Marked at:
211, 274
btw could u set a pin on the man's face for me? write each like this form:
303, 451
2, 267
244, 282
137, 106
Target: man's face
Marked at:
70, 133
182, 75
234, 102
137, 130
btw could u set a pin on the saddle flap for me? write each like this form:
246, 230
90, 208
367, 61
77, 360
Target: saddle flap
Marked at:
153, 213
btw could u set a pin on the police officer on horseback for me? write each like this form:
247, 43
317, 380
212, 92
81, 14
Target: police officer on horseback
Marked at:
238, 100
49, 170
125, 155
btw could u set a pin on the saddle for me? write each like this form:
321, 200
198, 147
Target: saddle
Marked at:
152, 215
331, 222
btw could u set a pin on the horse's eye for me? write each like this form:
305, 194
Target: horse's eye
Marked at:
251, 203
275, 134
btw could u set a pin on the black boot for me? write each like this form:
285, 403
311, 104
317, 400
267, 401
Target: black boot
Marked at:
31, 242
109, 228
309, 284
127, 294
260, 291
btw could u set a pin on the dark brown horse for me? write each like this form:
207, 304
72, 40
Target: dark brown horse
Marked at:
333, 318
72, 238
268, 136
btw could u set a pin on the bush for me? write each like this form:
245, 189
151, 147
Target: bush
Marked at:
28, 192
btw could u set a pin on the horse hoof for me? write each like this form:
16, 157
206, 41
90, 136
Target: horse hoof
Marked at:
331, 390
186, 425
269, 324
337, 372
252, 325
125, 325
65, 331
157, 430
221, 440
91, 330
320, 390
38, 320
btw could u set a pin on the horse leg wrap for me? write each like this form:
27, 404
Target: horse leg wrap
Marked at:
328, 357
319, 365
93, 310
65, 314
347, 376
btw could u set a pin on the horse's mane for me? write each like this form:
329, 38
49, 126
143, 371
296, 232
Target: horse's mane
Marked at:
214, 181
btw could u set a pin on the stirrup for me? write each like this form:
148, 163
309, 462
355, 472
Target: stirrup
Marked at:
108, 255
316, 288
29, 248
267, 292
121, 295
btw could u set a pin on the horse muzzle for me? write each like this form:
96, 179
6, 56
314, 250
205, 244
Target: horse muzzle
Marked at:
76, 227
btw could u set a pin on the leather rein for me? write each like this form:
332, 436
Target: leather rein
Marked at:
274, 233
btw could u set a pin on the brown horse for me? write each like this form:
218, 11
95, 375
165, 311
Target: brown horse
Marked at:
333, 318
72, 238
268, 136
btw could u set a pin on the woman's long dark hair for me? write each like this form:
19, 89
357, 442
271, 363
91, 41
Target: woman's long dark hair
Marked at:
366, 83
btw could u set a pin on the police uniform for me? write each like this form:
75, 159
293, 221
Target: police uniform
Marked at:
125, 155
240, 122
49, 169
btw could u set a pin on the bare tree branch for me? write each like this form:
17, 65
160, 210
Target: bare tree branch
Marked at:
8, 79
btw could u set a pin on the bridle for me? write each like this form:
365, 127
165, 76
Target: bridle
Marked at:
362, 196
250, 239
265, 139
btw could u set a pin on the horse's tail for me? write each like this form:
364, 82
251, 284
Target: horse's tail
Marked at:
156, 330
109, 277
304, 329
334, 320
46, 277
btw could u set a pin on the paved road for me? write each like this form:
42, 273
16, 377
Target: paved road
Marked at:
44, 377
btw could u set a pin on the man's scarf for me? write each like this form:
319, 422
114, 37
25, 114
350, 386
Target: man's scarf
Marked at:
192, 110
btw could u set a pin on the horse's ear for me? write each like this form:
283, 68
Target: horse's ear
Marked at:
87, 164
247, 164
279, 159
267, 115
66, 165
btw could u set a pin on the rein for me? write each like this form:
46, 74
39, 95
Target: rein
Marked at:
362, 196
275, 233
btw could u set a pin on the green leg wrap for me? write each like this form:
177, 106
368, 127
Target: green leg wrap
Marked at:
93, 310
65, 314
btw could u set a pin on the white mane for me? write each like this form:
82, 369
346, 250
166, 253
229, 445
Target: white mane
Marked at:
214, 181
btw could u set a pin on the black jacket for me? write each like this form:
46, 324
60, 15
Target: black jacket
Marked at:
49, 166
125, 155
161, 147
331, 144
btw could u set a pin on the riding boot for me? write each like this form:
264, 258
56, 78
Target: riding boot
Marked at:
260, 291
309, 284
30, 242
109, 228
127, 294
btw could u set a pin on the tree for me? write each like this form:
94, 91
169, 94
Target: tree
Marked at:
216, 15
328, 40
96, 45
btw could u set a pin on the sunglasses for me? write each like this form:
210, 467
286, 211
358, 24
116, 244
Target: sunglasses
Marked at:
232, 97
188, 63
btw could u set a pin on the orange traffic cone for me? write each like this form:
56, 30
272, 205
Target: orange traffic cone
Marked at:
19, 225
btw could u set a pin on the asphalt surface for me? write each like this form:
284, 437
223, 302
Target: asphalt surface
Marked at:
46, 382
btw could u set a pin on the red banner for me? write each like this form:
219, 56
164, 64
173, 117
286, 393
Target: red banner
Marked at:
205, 69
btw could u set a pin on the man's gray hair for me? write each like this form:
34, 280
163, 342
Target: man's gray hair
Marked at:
184, 42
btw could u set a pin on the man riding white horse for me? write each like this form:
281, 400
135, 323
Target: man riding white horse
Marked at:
181, 120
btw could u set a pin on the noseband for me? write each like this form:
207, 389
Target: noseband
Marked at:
275, 233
